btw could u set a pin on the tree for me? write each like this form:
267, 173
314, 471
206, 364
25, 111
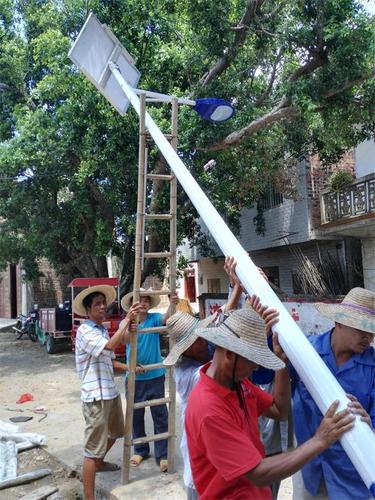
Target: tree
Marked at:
300, 74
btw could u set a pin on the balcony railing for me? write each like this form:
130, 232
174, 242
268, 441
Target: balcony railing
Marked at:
358, 199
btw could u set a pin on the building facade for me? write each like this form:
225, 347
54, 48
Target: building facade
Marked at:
320, 243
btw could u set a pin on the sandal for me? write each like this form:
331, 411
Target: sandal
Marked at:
163, 465
135, 460
108, 467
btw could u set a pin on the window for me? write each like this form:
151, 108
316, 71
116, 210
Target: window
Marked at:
297, 283
213, 285
272, 274
270, 198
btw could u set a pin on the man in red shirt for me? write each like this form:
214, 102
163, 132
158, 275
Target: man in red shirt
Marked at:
226, 453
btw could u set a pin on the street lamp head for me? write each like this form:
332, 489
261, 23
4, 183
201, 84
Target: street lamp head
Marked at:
97, 52
214, 109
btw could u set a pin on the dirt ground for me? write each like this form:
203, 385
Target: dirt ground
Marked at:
25, 367
37, 458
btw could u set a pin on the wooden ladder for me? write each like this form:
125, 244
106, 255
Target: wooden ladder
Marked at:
140, 255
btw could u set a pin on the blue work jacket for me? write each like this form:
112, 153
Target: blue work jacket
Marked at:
357, 377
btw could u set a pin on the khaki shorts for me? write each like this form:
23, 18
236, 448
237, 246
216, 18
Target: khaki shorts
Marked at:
104, 419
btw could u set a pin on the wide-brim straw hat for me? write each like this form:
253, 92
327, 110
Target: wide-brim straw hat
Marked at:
107, 290
244, 333
127, 299
357, 310
181, 328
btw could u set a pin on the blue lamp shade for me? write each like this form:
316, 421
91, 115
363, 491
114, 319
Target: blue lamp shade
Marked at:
213, 109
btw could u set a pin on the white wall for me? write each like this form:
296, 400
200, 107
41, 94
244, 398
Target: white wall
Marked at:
308, 318
365, 158
368, 262
304, 313
208, 269
284, 220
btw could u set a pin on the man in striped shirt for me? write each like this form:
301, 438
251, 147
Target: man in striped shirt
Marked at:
95, 363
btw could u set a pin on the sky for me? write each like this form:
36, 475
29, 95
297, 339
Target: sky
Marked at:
369, 5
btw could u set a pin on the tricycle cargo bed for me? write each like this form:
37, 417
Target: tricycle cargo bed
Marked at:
55, 321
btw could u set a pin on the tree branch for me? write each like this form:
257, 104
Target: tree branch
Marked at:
241, 33
350, 83
98, 197
309, 67
266, 93
275, 115
284, 110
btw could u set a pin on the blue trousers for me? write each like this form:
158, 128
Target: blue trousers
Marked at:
145, 390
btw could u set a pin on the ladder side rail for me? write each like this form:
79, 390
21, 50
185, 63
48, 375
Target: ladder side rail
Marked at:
144, 202
139, 238
172, 287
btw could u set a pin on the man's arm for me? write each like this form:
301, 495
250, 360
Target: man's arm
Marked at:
123, 332
236, 288
283, 465
358, 409
281, 392
173, 301
119, 366
279, 410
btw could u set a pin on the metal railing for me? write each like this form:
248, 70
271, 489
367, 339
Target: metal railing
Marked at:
357, 199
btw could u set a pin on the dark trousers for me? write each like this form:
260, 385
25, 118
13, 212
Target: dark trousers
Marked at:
145, 390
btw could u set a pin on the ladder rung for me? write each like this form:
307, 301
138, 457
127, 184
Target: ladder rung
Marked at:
167, 136
157, 255
155, 437
158, 216
153, 366
153, 329
160, 177
152, 402
147, 293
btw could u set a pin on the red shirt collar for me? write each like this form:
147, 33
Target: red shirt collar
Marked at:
212, 384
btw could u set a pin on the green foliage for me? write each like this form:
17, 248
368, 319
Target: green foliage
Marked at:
68, 161
340, 180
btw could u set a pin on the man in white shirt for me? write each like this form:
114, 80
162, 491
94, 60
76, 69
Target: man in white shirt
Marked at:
95, 363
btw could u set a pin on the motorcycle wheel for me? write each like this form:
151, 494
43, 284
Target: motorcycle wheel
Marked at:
32, 333
51, 345
19, 331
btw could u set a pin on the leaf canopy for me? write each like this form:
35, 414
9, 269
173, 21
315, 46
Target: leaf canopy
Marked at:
300, 74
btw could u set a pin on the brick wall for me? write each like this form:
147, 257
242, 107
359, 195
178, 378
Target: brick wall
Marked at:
5, 293
317, 180
51, 288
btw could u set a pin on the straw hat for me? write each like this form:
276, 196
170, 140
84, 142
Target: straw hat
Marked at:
244, 333
181, 328
183, 305
108, 291
357, 310
127, 300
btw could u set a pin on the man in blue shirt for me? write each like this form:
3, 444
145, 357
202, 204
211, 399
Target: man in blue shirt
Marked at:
150, 384
347, 352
